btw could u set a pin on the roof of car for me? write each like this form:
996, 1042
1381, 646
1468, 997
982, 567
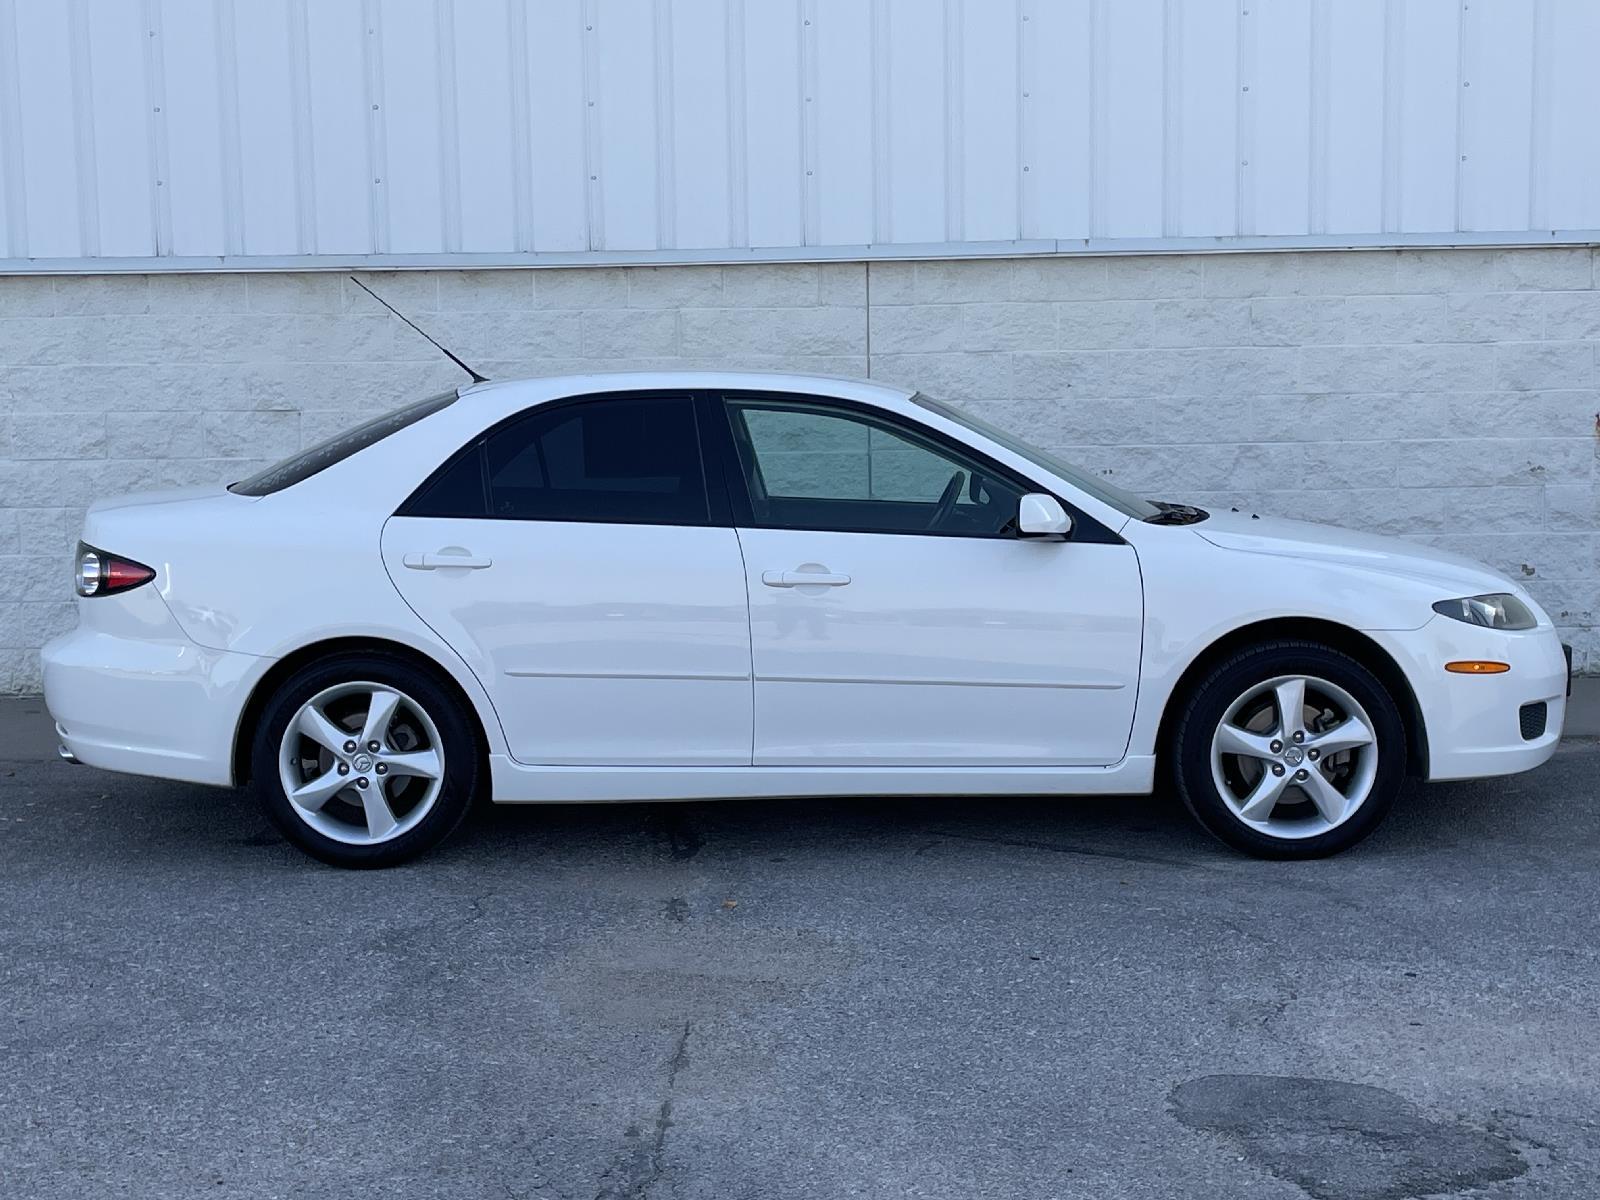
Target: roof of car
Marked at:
550, 387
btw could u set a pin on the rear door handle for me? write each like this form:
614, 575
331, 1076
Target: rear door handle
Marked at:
789, 579
433, 562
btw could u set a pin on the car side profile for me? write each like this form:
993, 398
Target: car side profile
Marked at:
675, 586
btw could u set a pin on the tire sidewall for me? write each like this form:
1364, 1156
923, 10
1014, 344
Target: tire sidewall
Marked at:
1230, 680
456, 734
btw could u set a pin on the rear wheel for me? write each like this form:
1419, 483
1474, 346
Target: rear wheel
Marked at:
1290, 750
364, 760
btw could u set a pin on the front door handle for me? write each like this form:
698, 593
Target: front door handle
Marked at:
789, 579
444, 559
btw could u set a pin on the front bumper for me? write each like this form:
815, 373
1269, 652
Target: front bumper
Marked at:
1472, 722
130, 692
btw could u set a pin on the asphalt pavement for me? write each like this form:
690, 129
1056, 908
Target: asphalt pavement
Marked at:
865, 998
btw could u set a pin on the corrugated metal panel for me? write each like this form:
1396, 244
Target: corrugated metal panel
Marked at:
194, 134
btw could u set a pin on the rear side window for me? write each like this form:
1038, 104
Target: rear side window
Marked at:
337, 448
627, 460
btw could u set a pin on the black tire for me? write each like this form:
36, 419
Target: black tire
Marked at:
461, 778
1209, 702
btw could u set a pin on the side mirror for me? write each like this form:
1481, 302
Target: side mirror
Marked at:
1041, 515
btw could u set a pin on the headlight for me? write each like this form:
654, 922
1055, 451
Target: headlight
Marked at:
1499, 611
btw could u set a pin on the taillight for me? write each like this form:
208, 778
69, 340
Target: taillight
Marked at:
101, 574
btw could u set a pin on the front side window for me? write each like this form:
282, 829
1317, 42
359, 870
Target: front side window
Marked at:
810, 466
627, 460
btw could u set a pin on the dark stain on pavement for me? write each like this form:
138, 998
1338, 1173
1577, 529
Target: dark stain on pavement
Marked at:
672, 825
1344, 1141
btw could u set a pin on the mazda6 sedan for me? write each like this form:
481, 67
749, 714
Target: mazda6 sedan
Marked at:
688, 586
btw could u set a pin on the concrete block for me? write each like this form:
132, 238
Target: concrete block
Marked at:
252, 435
585, 287
1497, 461
154, 435
783, 331
58, 435
172, 294
484, 291
916, 329
1006, 326
100, 295
629, 333
299, 292
1525, 366
675, 287
771, 285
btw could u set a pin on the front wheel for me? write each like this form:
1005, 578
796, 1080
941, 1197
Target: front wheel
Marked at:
1290, 750
364, 760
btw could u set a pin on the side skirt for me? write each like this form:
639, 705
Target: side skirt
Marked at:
515, 783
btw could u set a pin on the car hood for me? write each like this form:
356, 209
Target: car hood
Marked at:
1364, 551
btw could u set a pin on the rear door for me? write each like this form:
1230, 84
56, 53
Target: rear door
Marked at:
897, 619
578, 562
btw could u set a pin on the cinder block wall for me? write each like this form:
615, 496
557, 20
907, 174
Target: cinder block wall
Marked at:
1449, 396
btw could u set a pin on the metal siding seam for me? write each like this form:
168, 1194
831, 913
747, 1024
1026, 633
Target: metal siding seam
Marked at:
810, 141
82, 67
444, 20
666, 126
1394, 91
954, 100
11, 135
377, 126
1099, 116
1245, 124
1320, 114
305, 168
738, 149
155, 92
1463, 34
521, 124
594, 198
229, 134
1539, 134
882, 126
1026, 199
1172, 119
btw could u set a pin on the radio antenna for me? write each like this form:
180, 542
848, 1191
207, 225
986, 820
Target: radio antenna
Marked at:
476, 378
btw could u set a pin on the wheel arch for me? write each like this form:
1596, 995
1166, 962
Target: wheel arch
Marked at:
303, 656
1339, 637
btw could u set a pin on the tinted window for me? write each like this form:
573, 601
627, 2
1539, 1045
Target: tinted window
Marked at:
627, 460
815, 467
337, 448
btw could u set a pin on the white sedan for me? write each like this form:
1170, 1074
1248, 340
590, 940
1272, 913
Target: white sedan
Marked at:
684, 586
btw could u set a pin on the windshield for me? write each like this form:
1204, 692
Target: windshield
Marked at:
337, 448
1123, 502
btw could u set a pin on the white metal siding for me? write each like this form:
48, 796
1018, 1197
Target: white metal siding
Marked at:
150, 134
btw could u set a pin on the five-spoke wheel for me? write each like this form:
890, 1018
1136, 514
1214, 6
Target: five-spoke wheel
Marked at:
361, 763
365, 760
1289, 750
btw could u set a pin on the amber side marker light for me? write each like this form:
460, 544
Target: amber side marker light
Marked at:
1477, 666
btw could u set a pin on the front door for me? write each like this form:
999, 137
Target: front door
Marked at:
897, 619
572, 558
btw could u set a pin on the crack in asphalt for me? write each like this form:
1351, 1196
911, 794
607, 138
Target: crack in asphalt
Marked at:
643, 1166
1059, 848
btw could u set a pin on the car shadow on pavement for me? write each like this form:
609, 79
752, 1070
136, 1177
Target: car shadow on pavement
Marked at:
141, 817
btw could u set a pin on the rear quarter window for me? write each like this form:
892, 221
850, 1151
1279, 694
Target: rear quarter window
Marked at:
337, 448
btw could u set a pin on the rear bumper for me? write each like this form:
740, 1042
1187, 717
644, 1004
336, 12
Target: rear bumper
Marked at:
140, 697
1473, 721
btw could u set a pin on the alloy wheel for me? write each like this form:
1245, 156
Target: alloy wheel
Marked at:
361, 763
1294, 757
